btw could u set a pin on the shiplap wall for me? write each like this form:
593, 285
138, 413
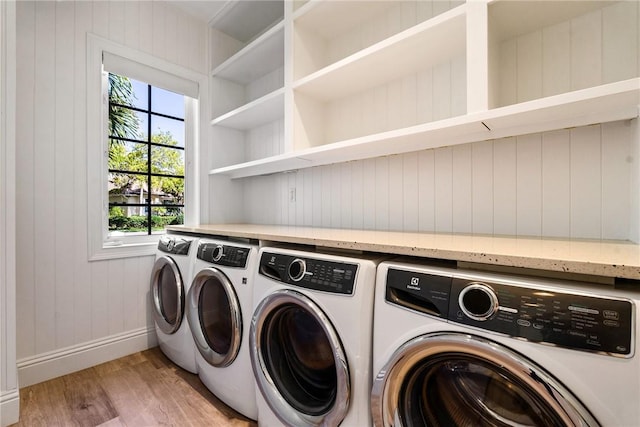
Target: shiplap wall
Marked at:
569, 183
62, 299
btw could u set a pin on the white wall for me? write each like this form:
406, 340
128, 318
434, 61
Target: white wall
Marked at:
574, 183
9, 395
68, 307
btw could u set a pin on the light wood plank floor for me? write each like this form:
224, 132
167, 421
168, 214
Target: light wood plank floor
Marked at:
144, 389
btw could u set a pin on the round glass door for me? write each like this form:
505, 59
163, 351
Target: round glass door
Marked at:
215, 317
167, 292
462, 380
298, 361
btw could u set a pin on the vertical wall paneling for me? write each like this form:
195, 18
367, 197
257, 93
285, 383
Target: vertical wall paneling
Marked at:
82, 270
327, 195
44, 175
462, 191
634, 214
556, 184
586, 50
62, 299
64, 214
426, 191
369, 193
529, 66
357, 195
504, 193
616, 182
410, 191
396, 193
556, 59
586, 182
381, 188
442, 91
529, 185
25, 179
316, 191
443, 183
507, 85
482, 187
346, 197
307, 196
620, 41
336, 195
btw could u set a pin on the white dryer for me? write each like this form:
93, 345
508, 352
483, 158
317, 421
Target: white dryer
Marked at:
311, 338
219, 306
170, 279
461, 347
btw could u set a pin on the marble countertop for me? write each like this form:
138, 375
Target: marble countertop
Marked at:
618, 259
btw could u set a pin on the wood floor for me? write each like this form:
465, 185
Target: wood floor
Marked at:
144, 389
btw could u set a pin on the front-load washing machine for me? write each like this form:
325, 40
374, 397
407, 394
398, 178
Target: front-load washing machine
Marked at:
311, 338
219, 306
456, 347
170, 279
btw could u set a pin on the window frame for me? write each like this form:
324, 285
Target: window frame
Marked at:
101, 245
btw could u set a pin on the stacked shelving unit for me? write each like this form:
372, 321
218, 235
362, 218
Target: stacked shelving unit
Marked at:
368, 79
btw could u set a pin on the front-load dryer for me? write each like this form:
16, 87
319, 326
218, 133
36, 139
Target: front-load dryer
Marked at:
170, 279
219, 306
457, 347
311, 338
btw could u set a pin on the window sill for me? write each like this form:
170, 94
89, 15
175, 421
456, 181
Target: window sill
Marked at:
124, 250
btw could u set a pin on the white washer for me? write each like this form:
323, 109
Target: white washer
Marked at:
311, 338
219, 306
170, 279
462, 347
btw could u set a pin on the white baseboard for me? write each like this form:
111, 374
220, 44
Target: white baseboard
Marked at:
43, 367
9, 407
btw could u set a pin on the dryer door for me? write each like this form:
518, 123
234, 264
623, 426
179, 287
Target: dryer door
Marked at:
451, 379
167, 292
214, 316
298, 361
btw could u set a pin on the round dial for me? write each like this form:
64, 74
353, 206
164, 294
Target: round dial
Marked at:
296, 269
478, 301
218, 252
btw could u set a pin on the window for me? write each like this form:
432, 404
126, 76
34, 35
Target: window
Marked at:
146, 157
142, 138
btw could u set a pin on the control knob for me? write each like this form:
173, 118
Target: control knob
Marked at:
218, 251
297, 269
478, 301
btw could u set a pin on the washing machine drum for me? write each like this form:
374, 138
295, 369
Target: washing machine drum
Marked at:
463, 380
215, 317
298, 360
167, 293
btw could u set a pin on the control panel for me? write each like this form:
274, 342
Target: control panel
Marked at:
566, 319
224, 255
174, 245
309, 273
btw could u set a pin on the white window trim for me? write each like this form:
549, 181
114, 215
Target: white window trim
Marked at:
100, 246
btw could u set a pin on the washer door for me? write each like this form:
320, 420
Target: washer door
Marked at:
167, 292
449, 379
298, 361
215, 317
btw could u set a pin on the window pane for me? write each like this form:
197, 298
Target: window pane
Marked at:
165, 102
127, 188
167, 160
167, 191
128, 156
128, 219
143, 130
141, 94
167, 131
161, 217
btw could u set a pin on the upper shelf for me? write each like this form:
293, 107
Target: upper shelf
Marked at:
611, 102
263, 110
416, 48
261, 56
245, 20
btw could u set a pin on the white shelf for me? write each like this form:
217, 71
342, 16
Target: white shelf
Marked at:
263, 55
611, 102
263, 110
426, 44
244, 20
